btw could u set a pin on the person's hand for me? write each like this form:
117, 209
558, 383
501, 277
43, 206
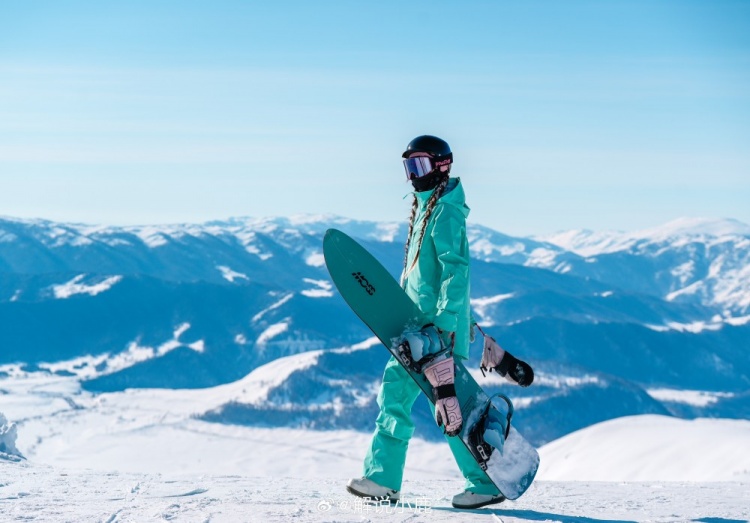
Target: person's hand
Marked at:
441, 376
492, 354
494, 357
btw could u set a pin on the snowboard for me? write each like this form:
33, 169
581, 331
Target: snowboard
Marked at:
510, 461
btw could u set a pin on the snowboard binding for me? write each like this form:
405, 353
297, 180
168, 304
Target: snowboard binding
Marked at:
491, 430
421, 348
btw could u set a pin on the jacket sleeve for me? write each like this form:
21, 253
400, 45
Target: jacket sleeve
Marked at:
449, 237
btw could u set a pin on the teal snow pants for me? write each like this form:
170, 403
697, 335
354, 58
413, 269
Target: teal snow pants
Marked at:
384, 463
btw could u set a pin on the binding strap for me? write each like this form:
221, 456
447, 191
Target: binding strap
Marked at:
511, 410
444, 391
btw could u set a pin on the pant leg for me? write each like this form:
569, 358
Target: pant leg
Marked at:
476, 479
384, 463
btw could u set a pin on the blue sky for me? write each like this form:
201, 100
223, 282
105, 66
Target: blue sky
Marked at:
576, 114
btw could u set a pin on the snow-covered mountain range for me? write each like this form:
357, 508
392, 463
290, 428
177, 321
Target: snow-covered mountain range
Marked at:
691, 260
615, 323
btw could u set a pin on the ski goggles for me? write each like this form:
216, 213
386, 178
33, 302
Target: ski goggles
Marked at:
418, 166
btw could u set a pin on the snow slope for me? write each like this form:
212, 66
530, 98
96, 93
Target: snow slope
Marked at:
140, 455
157, 430
651, 448
42, 493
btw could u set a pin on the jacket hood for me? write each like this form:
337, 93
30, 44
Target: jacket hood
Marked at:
454, 195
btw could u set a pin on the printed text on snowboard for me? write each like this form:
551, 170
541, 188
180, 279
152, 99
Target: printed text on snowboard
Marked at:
364, 283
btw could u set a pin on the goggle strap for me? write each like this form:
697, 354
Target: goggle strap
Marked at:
443, 161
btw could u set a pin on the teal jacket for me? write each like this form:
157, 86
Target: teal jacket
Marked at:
439, 281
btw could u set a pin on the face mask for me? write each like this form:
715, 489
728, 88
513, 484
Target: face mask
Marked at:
428, 182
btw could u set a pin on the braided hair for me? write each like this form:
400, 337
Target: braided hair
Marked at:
439, 190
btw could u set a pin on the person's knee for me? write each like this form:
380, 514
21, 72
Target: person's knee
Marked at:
400, 429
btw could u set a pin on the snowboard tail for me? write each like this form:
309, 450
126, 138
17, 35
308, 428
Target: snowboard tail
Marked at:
507, 458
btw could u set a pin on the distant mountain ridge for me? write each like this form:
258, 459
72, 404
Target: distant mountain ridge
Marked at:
605, 317
587, 242
689, 260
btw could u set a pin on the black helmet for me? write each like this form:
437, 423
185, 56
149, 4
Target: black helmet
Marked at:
427, 173
431, 145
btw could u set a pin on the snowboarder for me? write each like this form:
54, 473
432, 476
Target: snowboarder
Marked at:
436, 277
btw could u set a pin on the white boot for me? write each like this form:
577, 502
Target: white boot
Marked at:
469, 500
365, 488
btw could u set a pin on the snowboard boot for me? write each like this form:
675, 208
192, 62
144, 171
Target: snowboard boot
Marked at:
368, 489
471, 500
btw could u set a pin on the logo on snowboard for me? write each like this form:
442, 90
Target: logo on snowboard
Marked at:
364, 283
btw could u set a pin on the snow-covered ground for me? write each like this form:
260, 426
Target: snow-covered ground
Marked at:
154, 430
141, 455
652, 448
43, 493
